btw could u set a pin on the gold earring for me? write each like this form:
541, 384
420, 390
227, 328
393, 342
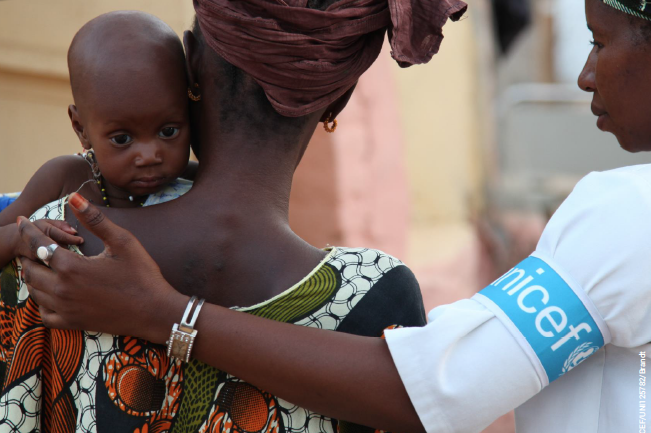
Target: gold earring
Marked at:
192, 96
328, 128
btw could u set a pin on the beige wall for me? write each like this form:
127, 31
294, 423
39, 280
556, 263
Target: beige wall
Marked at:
35, 125
442, 113
35, 35
438, 112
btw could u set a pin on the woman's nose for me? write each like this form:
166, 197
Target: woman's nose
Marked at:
148, 154
587, 81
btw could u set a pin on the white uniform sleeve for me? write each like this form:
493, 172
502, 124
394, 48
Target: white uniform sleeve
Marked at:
466, 367
601, 236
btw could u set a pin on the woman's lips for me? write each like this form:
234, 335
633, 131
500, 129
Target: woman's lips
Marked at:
601, 114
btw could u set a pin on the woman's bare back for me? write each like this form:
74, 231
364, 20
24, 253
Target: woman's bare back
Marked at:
228, 257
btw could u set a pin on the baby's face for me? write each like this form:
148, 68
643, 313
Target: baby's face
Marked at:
138, 125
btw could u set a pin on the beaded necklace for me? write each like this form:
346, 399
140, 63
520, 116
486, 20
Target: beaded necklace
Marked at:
105, 198
89, 156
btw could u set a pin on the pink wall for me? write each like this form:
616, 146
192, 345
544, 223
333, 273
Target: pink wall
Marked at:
351, 187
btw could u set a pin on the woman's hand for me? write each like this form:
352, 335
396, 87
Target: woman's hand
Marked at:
121, 291
11, 245
59, 231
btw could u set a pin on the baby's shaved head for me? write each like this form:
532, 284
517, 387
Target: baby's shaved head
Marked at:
127, 72
122, 49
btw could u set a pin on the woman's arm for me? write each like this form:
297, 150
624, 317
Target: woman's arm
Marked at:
298, 364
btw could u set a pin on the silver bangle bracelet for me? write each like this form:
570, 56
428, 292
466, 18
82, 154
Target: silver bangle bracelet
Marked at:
182, 337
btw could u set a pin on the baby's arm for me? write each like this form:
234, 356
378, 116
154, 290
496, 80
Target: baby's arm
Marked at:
45, 186
48, 184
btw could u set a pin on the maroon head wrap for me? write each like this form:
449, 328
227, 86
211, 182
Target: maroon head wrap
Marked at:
305, 59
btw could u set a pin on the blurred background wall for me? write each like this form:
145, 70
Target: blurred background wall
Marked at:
454, 167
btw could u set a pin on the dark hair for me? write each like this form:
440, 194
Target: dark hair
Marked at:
231, 77
240, 98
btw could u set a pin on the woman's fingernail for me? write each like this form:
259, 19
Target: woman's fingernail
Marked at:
20, 219
78, 202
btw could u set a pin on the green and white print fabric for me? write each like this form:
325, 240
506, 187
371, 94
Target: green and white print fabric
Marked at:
638, 8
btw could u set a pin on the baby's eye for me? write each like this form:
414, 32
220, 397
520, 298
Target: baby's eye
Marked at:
121, 139
168, 132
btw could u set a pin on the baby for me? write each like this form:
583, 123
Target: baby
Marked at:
130, 112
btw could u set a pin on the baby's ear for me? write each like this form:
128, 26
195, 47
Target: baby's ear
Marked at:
78, 127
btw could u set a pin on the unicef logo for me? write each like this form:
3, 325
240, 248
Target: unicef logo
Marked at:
547, 313
578, 355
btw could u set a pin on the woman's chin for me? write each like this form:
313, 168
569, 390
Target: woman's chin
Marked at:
633, 146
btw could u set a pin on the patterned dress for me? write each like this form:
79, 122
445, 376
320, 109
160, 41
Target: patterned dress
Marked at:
75, 381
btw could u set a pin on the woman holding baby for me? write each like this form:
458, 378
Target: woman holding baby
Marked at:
227, 240
470, 364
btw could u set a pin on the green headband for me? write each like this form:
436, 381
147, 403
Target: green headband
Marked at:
637, 8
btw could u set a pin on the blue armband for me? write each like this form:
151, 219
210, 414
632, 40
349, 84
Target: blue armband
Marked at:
553, 319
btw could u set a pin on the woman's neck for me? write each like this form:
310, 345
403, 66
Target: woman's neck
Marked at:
249, 170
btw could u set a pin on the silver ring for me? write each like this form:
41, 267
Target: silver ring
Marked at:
45, 253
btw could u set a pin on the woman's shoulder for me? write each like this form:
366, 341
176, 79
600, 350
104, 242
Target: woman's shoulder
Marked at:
625, 178
605, 202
